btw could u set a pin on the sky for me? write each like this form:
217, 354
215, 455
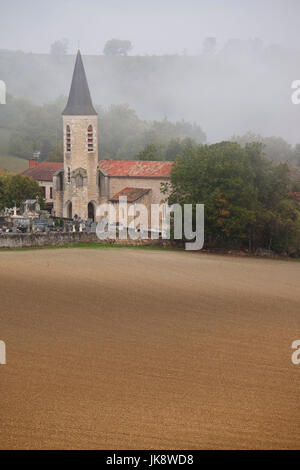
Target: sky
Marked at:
153, 26
239, 92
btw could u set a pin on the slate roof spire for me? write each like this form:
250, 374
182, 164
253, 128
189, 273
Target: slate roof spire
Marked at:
79, 102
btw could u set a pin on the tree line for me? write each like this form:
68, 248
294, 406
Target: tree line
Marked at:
248, 198
122, 134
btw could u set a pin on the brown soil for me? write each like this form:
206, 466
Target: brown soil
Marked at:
124, 348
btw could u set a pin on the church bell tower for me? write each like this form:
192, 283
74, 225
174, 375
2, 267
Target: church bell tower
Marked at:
80, 130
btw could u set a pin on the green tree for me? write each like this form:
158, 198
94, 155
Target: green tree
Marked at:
177, 147
57, 153
33, 128
2, 193
29, 128
246, 196
168, 151
150, 153
297, 154
219, 176
121, 132
16, 188
165, 130
275, 148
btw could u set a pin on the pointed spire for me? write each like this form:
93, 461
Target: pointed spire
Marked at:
79, 102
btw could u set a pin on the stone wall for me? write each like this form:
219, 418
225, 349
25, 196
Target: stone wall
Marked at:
23, 240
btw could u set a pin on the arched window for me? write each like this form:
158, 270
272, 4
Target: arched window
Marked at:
68, 139
90, 137
69, 175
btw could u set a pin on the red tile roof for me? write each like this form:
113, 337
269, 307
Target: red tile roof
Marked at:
43, 171
136, 168
132, 194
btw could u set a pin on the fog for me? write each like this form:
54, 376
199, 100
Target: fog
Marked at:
154, 27
244, 85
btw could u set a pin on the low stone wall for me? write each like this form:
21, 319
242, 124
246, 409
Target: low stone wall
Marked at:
23, 240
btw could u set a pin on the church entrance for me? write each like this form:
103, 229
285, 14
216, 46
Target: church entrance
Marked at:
91, 211
69, 211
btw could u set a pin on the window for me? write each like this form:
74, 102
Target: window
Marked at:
68, 139
69, 175
90, 138
61, 181
43, 192
51, 192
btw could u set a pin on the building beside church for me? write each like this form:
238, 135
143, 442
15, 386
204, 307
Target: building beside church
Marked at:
80, 183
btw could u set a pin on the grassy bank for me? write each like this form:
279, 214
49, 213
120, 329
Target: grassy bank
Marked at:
13, 164
91, 245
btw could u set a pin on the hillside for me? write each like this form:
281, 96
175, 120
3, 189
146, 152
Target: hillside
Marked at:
4, 141
231, 92
9, 162
13, 164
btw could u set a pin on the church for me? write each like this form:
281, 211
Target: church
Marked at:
79, 184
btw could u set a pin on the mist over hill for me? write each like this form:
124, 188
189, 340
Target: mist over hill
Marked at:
243, 87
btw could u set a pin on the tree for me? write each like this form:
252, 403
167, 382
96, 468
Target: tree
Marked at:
32, 128
173, 149
2, 193
150, 153
162, 132
219, 176
122, 133
209, 45
117, 47
297, 154
168, 151
16, 188
57, 153
59, 47
275, 148
246, 196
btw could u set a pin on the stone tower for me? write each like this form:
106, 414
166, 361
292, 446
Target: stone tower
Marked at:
79, 181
